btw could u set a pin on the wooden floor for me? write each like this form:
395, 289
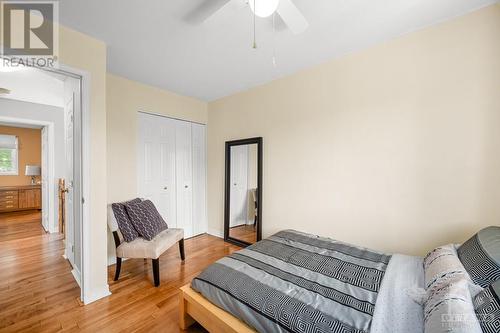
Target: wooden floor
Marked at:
18, 225
246, 233
39, 294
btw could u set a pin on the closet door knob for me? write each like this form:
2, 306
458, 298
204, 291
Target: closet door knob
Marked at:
185, 186
165, 188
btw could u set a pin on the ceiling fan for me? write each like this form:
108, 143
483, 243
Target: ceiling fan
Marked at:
286, 9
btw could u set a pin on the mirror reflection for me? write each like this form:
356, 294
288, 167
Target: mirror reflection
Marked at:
244, 201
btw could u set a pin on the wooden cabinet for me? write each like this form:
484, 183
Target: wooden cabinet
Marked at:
20, 198
30, 199
8, 200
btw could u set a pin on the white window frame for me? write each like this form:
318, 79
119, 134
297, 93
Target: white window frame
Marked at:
15, 160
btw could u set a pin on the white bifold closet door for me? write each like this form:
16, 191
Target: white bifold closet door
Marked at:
156, 164
184, 164
172, 170
198, 135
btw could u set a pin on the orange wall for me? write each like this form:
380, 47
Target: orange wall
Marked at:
30, 153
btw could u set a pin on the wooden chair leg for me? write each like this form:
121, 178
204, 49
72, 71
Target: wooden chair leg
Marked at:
118, 268
181, 249
156, 271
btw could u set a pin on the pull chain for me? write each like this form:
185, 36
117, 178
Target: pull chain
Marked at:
274, 40
254, 33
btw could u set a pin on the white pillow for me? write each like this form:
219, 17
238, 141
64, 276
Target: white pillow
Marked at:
449, 309
442, 266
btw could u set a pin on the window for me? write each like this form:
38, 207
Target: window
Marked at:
8, 155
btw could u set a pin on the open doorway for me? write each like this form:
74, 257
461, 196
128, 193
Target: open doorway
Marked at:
46, 197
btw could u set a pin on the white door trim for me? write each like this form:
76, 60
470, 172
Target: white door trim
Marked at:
49, 154
88, 295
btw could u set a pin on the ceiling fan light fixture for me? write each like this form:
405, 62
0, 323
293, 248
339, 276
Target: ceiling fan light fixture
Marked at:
4, 91
264, 8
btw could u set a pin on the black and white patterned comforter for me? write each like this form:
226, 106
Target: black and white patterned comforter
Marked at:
296, 282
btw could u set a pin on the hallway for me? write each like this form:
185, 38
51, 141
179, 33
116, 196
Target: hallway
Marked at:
34, 275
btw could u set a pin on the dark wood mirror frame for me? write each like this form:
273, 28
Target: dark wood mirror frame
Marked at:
227, 188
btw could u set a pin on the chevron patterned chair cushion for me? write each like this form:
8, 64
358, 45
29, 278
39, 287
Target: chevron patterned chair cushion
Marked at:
480, 256
146, 219
122, 220
487, 307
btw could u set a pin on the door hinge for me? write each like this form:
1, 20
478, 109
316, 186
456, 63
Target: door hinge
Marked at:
83, 201
73, 248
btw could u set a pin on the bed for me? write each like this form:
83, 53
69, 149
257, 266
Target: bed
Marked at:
294, 281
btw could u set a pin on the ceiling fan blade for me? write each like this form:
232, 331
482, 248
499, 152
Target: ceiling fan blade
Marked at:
205, 10
292, 16
279, 24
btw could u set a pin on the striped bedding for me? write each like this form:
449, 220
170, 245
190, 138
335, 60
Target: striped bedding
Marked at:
296, 282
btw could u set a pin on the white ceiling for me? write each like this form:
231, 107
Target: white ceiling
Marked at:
154, 43
34, 86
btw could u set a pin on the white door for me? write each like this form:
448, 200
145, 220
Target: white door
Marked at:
184, 173
69, 217
156, 164
171, 170
239, 185
45, 179
200, 224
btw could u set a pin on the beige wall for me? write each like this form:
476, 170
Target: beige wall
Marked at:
396, 147
29, 143
125, 99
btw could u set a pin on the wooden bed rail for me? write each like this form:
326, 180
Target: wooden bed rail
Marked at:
193, 307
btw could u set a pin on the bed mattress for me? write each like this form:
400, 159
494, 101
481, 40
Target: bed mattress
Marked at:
297, 282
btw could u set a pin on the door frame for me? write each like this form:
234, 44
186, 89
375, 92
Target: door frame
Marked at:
86, 294
46, 202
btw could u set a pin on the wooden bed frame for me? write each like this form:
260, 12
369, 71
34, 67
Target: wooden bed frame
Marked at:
193, 307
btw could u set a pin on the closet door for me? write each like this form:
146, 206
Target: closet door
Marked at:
148, 158
167, 179
156, 164
199, 179
184, 173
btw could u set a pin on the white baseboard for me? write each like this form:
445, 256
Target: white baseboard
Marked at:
216, 233
76, 275
96, 294
112, 260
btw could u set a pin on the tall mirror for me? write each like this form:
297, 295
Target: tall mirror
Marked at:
243, 192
